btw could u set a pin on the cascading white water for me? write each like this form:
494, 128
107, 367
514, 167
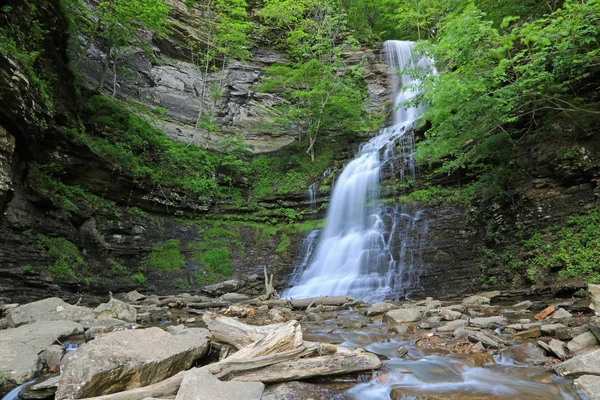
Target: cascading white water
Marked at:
353, 252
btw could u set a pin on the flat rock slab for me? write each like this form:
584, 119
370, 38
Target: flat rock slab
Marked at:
125, 360
402, 315
200, 384
488, 322
51, 309
584, 364
380, 308
588, 385
453, 325
20, 347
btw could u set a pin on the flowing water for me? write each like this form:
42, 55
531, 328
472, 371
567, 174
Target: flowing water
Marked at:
354, 255
433, 373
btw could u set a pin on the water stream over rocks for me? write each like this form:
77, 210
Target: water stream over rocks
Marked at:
354, 253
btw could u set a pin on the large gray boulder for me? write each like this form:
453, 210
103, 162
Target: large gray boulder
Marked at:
582, 342
116, 309
380, 308
589, 386
584, 364
123, 360
594, 293
51, 309
199, 384
20, 347
402, 315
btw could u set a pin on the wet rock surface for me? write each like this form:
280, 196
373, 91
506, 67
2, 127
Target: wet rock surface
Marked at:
434, 349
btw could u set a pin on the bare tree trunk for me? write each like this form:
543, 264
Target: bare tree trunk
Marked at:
115, 56
104, 69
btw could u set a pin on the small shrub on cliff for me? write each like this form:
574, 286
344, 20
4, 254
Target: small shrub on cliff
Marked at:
165, 256
69, 263
139, 278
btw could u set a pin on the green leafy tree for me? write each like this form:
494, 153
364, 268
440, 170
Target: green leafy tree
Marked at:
225, 38
117, 24
495, 83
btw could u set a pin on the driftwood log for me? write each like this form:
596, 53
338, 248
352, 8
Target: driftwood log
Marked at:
301, 304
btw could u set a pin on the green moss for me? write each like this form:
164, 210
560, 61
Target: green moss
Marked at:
284, 245
116, 267
165, 256
139, 278
69, 261
573, 249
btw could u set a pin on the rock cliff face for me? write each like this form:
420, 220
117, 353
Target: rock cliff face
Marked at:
173, 79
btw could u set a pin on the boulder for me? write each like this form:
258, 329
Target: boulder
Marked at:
584, 364
234, 297
589, 386
116, 309
380, 308
51, 309
134, 296
123, 360
551, 329
449, 315
200, 384
453, 325
562, 315
570, 333
51, 358
489, 322
582, 342
525, 354
476, 336
594, 293
476, 300
559, 348
595, 329
524, 305
402, 315
20, 347
224, 287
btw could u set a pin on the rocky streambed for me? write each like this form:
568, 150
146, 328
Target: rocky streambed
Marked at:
228, 346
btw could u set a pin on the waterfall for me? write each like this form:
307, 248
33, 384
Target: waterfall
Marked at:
353, 255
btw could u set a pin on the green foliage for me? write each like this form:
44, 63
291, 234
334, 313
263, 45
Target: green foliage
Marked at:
182, 284
165, 256
116, 23
284, 245
213, 253
132, 145
494, 82
44, 179
139, 278
137, 211
116, 267
292, 171
573, 249
22, 34
69, 261
27, 268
